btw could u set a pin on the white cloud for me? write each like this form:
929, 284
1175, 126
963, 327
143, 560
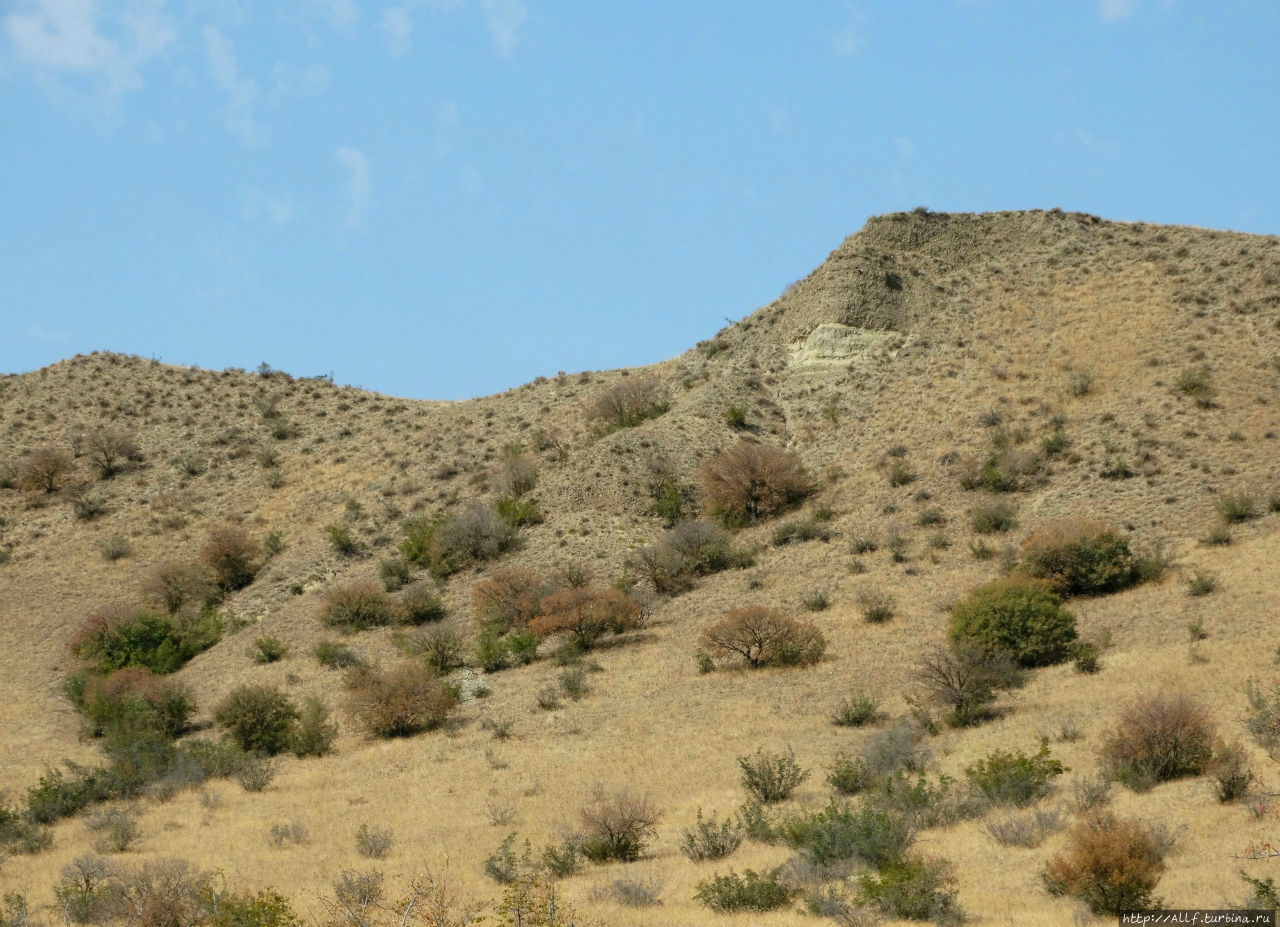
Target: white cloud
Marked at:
241, 91
1114, 11
356, 189
289, 82
504, 19
73, 40
336, 14
256, 203
396, 26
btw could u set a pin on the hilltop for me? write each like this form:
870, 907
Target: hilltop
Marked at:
1122, 373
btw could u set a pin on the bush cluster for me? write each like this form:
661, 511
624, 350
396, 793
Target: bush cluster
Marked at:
586, 614
750, 481
628, 403
113, 639
403, 700
1079, 557
764, 637
1161, 737
1018, 616
453, 541
688, 550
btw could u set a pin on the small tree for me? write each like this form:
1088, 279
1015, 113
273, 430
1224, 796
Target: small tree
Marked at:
1018, 616
110, 449
260, 719
964, 679
764, 636
173, 584
45, 469
231, 557
356, 607
629, 403
750, 481
1111, 864
617, 826
508, 598
587, 614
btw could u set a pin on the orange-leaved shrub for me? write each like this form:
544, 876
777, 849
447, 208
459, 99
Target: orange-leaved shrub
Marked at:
764, 636
508, 598
586, 614
405, 699
231, 557
1161, 737
1111, 864
750, 481
1078, 556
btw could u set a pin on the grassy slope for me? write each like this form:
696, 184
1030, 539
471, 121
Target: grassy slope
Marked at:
971, 315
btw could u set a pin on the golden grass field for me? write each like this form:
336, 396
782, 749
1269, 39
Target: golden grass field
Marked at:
998, 316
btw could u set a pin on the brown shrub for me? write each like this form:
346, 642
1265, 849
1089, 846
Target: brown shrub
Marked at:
1078, 556
617, 826
763, 636
750, 481
1161, 737
1109, 863
173, 584
515, 476
587, 614
964, 679
45, 469
509, 598
406, 699
231, 557
110, 449
629, 403
357, 607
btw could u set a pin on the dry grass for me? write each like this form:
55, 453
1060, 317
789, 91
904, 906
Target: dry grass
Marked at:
996, 314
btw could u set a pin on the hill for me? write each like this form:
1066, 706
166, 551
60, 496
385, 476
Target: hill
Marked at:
950, 383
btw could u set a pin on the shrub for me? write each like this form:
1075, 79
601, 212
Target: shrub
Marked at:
816, 600
418, 605
1014, 779
913, 889
451, 542
518, 513
373, 842
1111, 864
1021, 617
394, 572
137, 699
1004, 470
116, 547
110, 449
617, 826
1161, 737
870, 832
173, 584
504, 865
849, 775
964, 680
856, 711
1194, 382
45, 470
356, 607
1079, 557
629, 403
342, 540
636, 892
440, 646
1263, 719
751, 891
1027, 829
900, 747
763, 637
260, 719
516, 476
771, 777
335, 655
688, 550
116, 829
315, 733
1084, 656
750, 481
876, 605
111, 639
268, 649
1201, 583
509, 598
710, 839
993, 518
404, 700
799, 530
1237, 507
587, 614
231, 556
1231, 772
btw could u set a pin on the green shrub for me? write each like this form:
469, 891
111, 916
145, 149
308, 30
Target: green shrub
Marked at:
394, 572
1201, 583
268, 649
1084, 656
343, 540
876, 605
1263, 718
335, 655
1021, 617
112, 640
710, 839
993, 518
849, 775
869, 832
505, 865
1237, 507
519, 513
913, 889
764, 637
404, 700
1161, 737
1003, 470
61, 796
1194, 382
856, 711
1231, 772
260, 719
751, 891
771, 777
751, 481
356, 607
134, 699
617, 826
1014, 779
314, 734
1079, 557
451, 542
1111, 864
735, 416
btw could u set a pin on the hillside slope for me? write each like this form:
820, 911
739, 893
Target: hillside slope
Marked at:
1126, 372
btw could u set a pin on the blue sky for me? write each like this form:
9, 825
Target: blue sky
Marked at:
446, 198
